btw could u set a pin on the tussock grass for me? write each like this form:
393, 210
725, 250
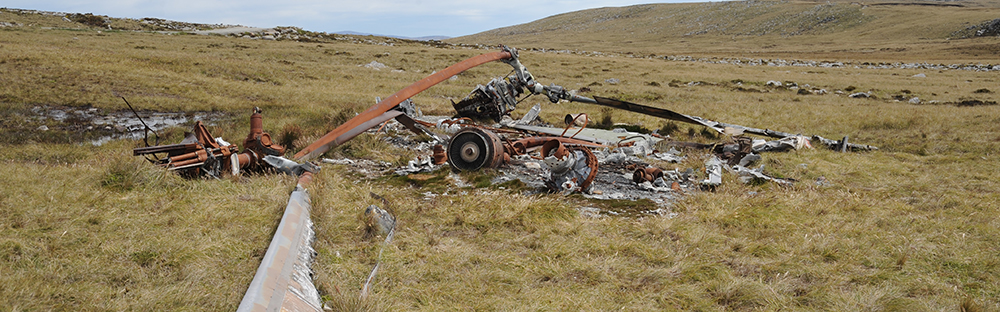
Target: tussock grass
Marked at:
110, 232
910, 227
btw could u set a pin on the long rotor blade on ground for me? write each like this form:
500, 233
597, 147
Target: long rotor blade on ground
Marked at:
341, 133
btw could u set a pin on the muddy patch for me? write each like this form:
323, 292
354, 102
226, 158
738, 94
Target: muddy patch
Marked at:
87, 125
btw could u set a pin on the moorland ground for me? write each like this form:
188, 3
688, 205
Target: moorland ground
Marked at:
913, 226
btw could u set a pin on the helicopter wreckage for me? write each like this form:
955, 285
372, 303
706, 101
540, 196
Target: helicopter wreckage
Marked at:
569, 159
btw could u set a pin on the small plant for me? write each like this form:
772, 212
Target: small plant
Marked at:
289, 134
605, 122
669, 128
145, 258
123, 175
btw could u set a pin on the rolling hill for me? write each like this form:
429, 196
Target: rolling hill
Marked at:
963, 31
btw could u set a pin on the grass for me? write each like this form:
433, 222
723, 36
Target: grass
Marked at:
911, 227
889, 31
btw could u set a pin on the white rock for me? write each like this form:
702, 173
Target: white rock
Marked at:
375, 65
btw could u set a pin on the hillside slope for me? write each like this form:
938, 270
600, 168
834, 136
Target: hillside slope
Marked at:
901, 30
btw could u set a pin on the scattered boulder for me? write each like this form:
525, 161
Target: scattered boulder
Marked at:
862, 95
920, 75
990, 28
915, 100
375, 65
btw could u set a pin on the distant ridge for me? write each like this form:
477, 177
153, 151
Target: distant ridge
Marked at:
424, 38
770, 28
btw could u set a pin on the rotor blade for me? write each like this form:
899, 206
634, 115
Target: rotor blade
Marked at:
329, 140
655, 112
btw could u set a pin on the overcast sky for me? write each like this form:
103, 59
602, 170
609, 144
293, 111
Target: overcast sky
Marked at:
413, 18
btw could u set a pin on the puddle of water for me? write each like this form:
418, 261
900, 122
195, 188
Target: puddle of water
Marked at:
121, 124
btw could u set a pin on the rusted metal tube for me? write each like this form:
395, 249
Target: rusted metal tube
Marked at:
554, 148
530, 142
440, 157
329, 140
648, 174
283, 281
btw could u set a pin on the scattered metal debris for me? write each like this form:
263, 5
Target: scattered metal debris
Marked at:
378, 222
572, 169
289, 167
199, 154
713, 173
575, 158
748, 175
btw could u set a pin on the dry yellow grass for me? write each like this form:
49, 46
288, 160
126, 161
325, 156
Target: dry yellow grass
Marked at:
844, 30
911, 227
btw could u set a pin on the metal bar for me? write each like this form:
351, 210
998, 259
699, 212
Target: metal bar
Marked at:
283, 281
364, 126
328, 141
651, 111
717, 126
164, 149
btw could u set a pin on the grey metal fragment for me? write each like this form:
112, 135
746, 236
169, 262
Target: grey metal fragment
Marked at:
713, 171
567, 173
781, 145
749, 159
531, 115
345, 161
747, 175
283, 281
419, 165
379, 222
287, 166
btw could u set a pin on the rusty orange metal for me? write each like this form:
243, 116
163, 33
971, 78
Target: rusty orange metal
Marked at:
520, 147
473, 148
554, 148
648, 174
440, 157
257, 145
328, 141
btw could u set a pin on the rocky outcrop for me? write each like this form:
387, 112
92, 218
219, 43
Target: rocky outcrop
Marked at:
984, 29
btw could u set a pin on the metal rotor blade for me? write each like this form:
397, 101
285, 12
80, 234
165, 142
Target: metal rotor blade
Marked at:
329, 140
653, 111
